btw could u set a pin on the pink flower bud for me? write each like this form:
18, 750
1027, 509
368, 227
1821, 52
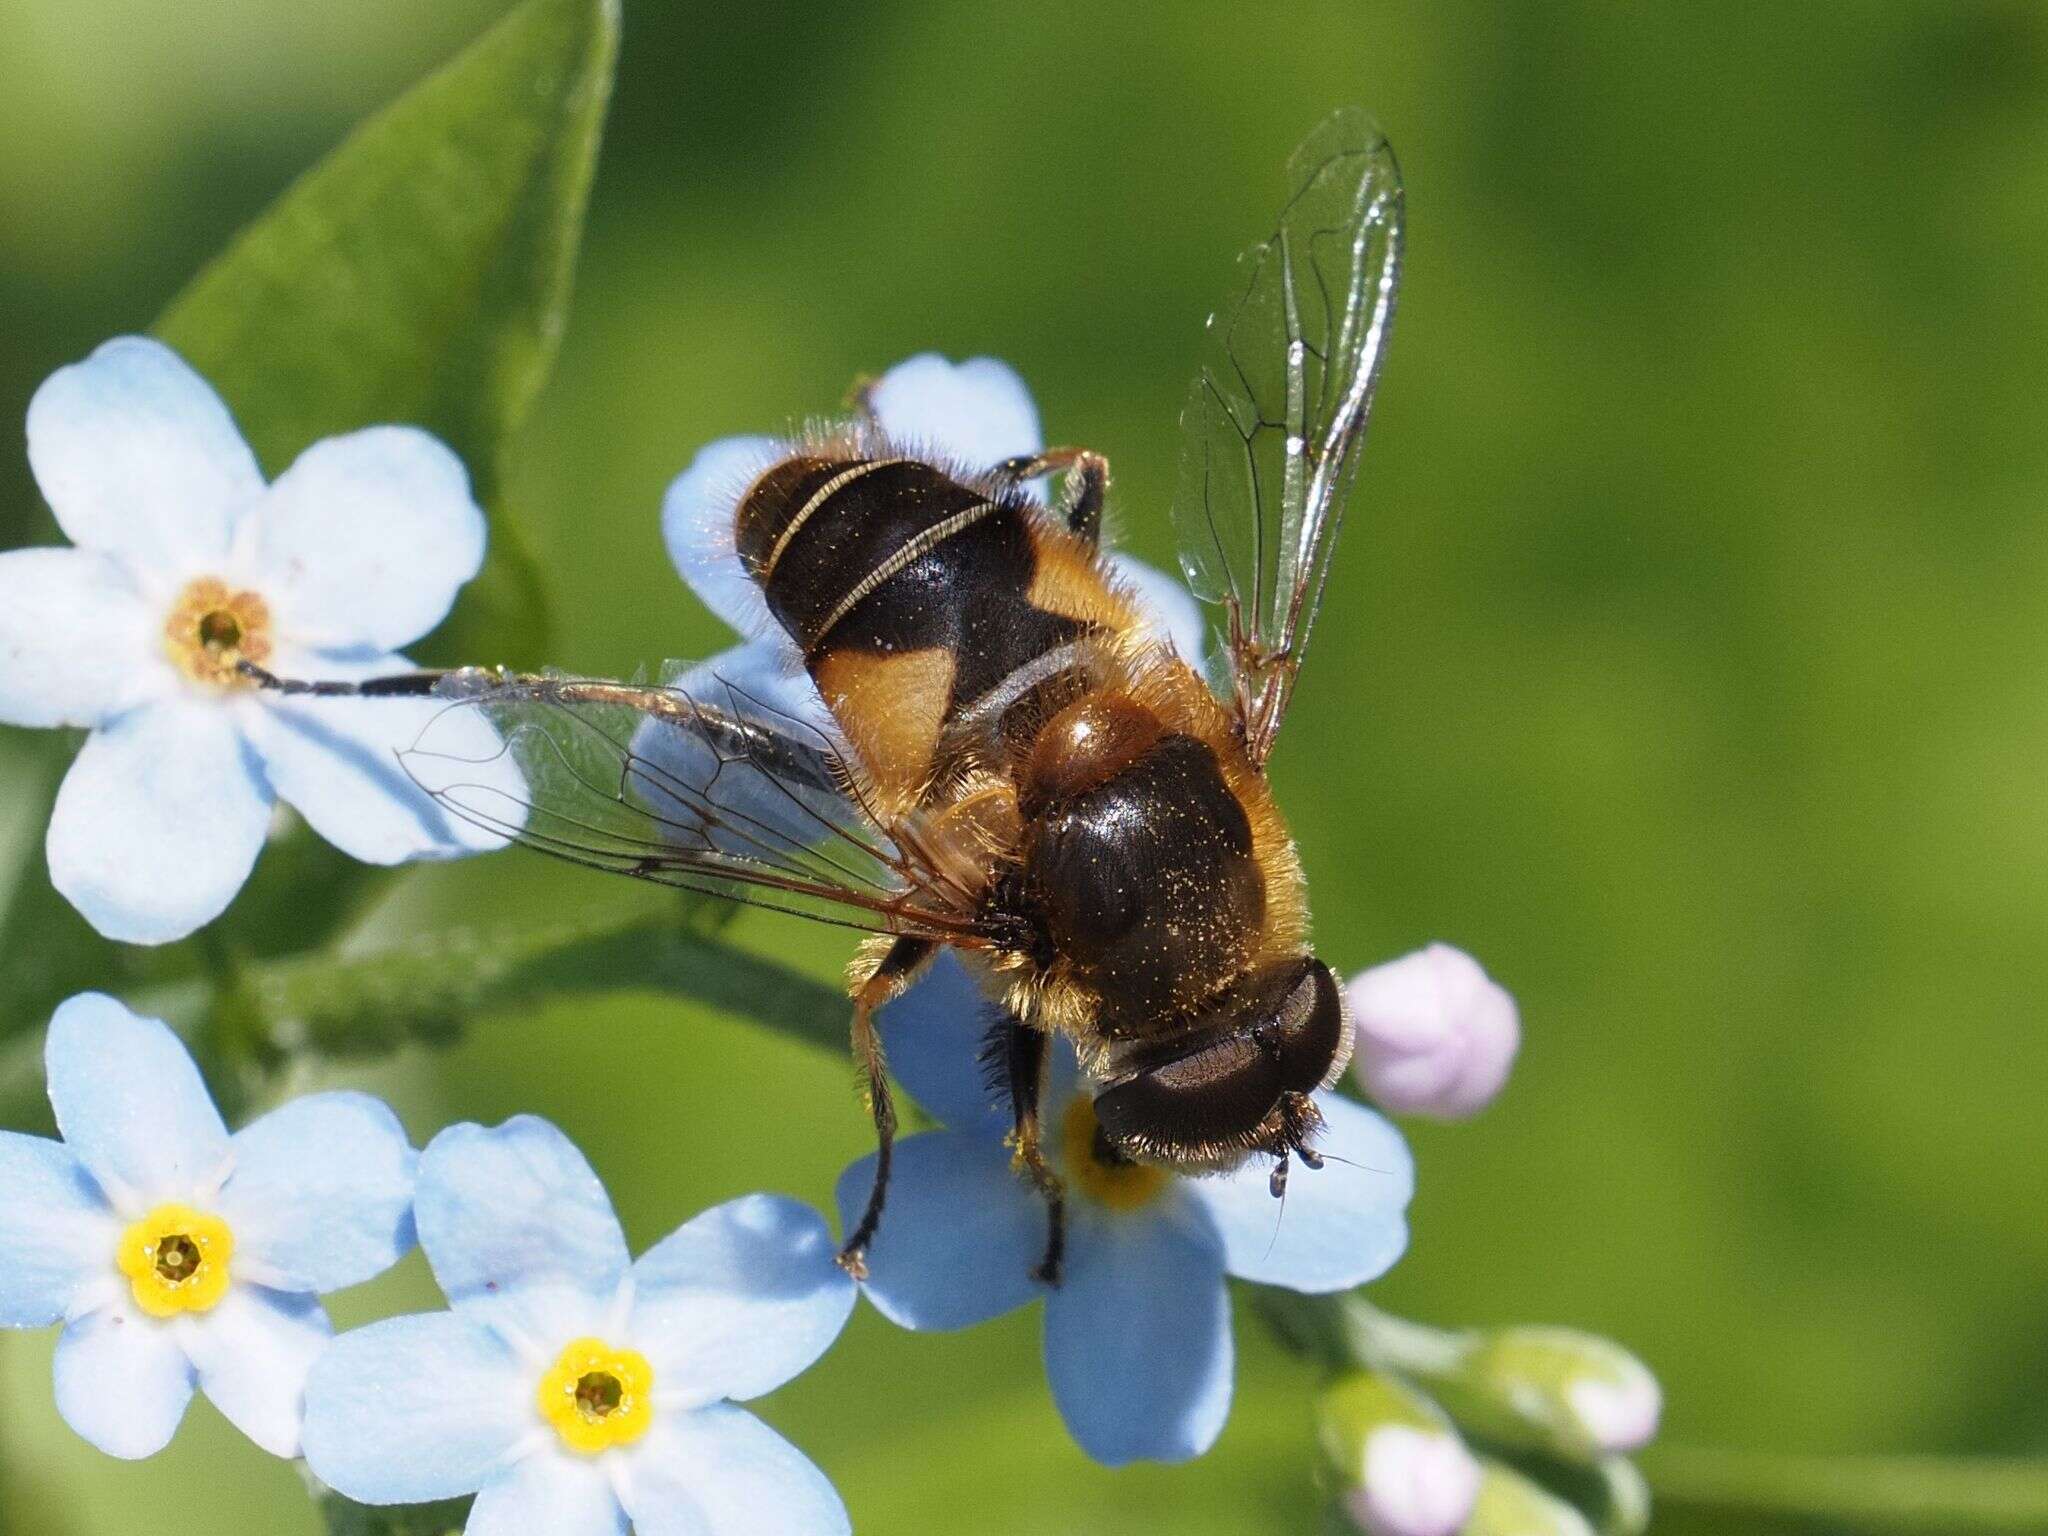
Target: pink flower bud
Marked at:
1435, 1033
1418, 1482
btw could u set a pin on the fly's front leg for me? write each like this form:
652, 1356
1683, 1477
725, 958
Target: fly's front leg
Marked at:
426, 684
1024, 1056
1083, 491
898, 966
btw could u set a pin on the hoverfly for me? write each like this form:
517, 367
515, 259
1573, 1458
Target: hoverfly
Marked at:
1008, 761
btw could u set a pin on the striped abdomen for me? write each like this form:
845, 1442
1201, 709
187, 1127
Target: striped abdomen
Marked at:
917, 601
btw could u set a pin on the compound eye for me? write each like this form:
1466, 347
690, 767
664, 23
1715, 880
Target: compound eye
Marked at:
1282, 1032
1311, 1032
1197, 1106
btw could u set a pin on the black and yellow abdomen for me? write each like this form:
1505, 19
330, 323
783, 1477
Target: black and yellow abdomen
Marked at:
915, 599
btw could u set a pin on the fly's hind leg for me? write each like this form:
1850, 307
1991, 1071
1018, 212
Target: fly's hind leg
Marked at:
895, 970
1022, 1054
1082, 492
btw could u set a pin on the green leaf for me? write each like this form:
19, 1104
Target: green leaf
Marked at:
344, 1517
420, 273
421, 992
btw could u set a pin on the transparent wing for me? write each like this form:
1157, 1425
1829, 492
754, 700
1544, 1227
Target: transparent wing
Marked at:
1273, 424
707, 788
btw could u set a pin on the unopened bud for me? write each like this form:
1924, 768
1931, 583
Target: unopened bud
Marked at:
1558, 1390
1403, 1468
1510, 1504
1435, 1034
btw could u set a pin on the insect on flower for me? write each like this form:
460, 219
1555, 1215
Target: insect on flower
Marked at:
1009, 761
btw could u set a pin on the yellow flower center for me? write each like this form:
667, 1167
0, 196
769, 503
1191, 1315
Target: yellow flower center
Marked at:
176, 1260
1098, 1170
211, 630
597, 1396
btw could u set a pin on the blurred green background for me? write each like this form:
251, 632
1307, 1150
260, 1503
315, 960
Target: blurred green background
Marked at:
1687, 658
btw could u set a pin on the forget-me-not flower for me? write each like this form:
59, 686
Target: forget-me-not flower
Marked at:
972, 416
175, 1254
186, 564
572, 1388
1137, 1332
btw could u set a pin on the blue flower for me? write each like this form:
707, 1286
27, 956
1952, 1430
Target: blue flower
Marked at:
972, 415
175, 1254
571, 1388
1137, 1334
185, 564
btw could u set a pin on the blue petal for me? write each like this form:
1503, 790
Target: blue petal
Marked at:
974, 414
365, 540
253, 1352
159, 820
138, 457
415, 1408
933, 1036
697, 524
737, 1301
80, 642
722, 1472
517, 1226
122, 1381
1341, 1225
55, 1230
364, 773
132, 1106
1137, 1336
321, 1195
548, 1493
960, 1236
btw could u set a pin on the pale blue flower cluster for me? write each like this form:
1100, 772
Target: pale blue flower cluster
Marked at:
571, 1388
177, 1256
1137, 1332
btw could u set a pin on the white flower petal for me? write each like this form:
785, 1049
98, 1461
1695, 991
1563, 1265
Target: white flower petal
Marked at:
722, 1472
321, 1193
359, 770
519, 1229
697, 524
974, 414
138, 458
1171, 610
159, 821
253, 1353
416, 1408
76, 641
548, 1493
56, 1233
122, 1381
1137, 1337
737, 1301
365, 540
132, 1106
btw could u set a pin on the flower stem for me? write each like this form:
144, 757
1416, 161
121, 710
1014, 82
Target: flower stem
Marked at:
1862, 1493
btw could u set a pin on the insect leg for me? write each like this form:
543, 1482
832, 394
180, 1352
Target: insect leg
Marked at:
1024, 1057
1082, 492
400, 685
895, 972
